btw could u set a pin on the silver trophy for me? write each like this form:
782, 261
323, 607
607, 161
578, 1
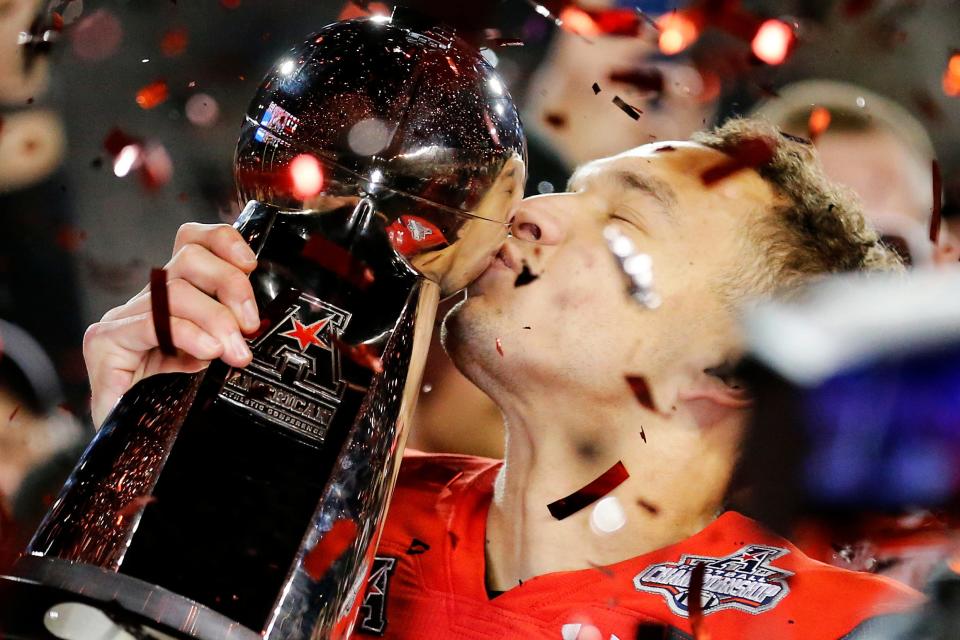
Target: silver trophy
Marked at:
379, 160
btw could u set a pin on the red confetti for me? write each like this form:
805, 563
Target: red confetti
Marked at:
818, 122
557, 120
951, 76
174, 42
160, 306
678, 30
649, 79
153, 95
134, 507
499, 347
229, 4
335, 258
695, 602
116, 140
362, 354
329, 548
70, 239
641, 391
773, 42
13, 414
749, 154
937, 203
587, 495
633, 112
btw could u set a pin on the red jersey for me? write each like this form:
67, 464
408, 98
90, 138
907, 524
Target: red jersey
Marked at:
427, 581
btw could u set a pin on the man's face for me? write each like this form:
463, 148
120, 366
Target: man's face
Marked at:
574, 327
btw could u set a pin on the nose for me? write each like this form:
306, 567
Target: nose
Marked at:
538, 219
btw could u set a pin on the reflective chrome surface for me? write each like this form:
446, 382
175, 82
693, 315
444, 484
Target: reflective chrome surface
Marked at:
240, 503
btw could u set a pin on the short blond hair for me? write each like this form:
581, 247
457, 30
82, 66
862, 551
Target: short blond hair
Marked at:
818, 226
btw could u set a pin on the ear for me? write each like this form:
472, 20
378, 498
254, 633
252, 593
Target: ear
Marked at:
714, 395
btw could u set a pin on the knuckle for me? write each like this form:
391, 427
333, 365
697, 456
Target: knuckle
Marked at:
224, 233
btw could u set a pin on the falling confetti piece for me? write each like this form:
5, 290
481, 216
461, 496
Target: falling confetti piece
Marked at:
160, 306
96, 36
525, 277
499, 347
773, 42
596, 88
417, 547
174, 42
335, 258
641, 391
818, 122
329, 548
626, 108
362, 354
951, 76
153, 94
695, 602
587, 495
645, 79
202, 110
937, 203
748, 154
678, 30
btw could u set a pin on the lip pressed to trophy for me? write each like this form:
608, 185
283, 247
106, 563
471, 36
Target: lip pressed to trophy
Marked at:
380, 160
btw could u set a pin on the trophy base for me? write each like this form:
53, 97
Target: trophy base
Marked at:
51, 599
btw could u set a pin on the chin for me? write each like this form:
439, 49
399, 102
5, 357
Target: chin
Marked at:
463, 335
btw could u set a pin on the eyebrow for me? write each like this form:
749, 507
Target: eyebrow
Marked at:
658, 189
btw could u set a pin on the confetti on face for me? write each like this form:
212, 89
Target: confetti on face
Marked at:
417, 547
641, 391
13, 414
174, 42
695, 602
748, 154
335, 258
557, 120
525, 277
649, 507
329, 548
590, 493
633, 112
643, 434
499, 347
160, 305
818, 122
596, 88
645, 80
153, 94
362, 354
937, 203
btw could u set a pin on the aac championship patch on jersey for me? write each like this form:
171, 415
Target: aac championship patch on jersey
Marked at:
743, 580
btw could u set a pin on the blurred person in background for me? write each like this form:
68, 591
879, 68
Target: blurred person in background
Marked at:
567, 124
39, 302
878, 149
883, 153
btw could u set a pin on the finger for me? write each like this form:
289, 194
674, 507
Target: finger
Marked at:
211, 274
220, 239
189, 303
